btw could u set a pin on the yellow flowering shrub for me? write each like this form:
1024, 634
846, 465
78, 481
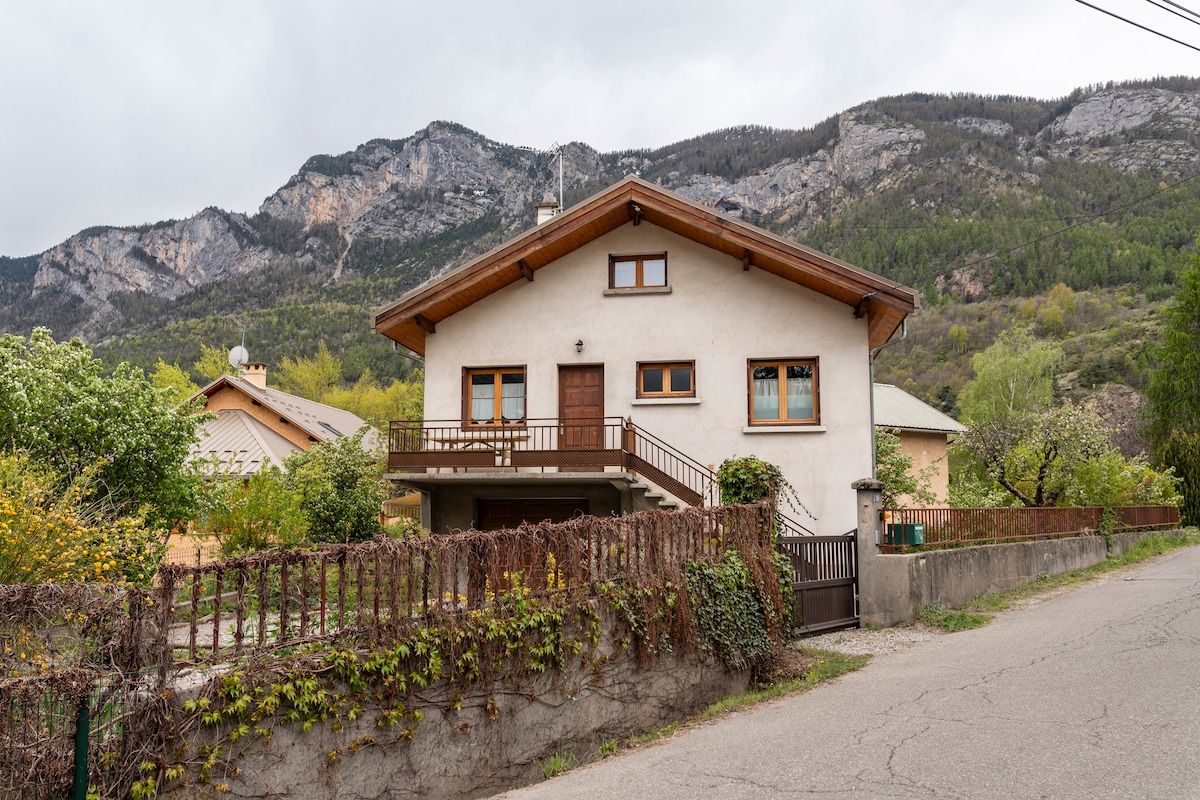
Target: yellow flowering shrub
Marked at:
55, 532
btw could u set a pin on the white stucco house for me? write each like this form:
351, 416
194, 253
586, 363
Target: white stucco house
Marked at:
606, 360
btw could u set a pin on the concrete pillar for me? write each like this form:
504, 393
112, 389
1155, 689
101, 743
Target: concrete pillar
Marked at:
885, 590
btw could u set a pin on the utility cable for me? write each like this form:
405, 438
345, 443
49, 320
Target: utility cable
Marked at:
1181, 8
1184, 17
1138, 25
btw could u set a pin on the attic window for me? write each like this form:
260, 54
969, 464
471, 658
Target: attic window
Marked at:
331, 429
637, 272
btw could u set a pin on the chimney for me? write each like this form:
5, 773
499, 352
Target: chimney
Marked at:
255, 375
547, 209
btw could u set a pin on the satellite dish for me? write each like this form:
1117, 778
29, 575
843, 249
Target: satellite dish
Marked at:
238, 356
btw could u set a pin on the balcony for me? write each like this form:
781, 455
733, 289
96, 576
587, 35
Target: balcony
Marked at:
549, 444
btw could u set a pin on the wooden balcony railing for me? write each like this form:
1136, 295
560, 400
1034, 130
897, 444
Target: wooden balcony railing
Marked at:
574, 445
587, 444
948, 527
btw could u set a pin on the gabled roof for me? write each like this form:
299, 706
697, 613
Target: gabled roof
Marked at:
897, 409
321, 422
413, 316
239, 445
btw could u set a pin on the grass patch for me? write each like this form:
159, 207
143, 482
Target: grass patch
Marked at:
789, 671
1152, 546
556, 764
661, 732
951, 620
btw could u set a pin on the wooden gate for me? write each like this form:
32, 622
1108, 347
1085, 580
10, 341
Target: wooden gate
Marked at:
824, 581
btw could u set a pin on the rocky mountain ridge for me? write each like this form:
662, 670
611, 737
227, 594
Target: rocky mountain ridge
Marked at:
377, 212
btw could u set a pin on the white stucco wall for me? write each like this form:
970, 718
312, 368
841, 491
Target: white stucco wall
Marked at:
716, 315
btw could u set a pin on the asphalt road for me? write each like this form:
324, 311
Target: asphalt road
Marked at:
1092, 694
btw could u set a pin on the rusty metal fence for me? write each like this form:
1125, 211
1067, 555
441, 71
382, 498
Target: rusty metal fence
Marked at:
216, 611
909, 528
72, 732
71, 729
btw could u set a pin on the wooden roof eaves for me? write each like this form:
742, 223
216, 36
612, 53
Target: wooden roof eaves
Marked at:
739, 235
505, 257
610, 209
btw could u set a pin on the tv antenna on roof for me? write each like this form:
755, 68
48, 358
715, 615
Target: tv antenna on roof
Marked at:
239, 355
555, 150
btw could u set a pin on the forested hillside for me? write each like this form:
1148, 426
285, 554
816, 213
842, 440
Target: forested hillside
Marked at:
984, 204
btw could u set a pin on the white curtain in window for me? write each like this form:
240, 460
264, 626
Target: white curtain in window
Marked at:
512, 400
483, 401
766, 393
799, 392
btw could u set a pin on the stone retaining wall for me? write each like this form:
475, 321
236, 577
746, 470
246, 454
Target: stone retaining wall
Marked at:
479, 751
901, 585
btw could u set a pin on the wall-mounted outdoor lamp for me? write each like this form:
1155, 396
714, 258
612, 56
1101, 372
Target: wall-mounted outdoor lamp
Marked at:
579, 346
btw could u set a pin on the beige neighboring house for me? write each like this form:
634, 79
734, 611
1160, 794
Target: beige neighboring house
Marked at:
608, 359
924, 433
258, 426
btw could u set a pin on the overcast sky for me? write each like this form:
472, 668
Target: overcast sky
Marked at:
123, 112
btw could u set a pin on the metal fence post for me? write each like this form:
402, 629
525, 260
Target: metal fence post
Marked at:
82, 720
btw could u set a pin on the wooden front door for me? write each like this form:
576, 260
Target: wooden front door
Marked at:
581, 407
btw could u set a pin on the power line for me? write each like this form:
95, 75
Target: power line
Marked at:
1181, 8
1156, 4
1138, 25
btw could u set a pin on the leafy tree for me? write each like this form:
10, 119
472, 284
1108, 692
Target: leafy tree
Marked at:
1015, 374
1062, 456
341, 494
377, 405
213, 363
260, 514
56, 406
894, 469
312, 378
1181, 453
1173, 396
172, 379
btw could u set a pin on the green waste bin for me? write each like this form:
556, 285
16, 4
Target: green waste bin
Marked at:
906, 534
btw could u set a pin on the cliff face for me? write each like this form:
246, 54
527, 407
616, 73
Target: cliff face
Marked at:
1131, 129
867, 144
373, 207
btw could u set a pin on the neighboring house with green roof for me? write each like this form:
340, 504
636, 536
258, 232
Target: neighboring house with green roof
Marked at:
924, 432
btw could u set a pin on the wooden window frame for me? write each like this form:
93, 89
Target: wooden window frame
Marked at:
497, 373
782, 364
666, 366
639, 279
